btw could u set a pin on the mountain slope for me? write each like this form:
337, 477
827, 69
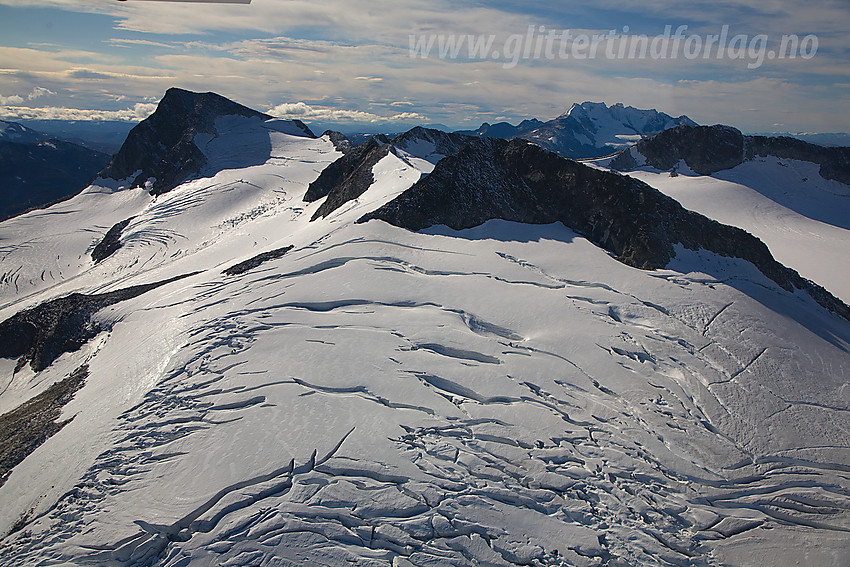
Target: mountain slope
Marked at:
36, 170
788, 193
363, 394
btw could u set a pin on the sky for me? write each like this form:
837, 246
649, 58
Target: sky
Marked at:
351, 62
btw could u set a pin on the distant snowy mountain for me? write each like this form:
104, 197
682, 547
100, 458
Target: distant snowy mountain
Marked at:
590, 129
14, 132
37, 169
247, 345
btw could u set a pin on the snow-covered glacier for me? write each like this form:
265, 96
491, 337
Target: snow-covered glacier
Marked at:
508, 394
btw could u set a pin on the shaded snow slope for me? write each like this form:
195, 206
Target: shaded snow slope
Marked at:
803, 218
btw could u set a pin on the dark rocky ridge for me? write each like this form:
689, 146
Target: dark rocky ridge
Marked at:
162, 146
351, 175
111, 241
445, 144
340, 141
41, 334
708, 149
257, 260
26, 427
348, 177
521, 182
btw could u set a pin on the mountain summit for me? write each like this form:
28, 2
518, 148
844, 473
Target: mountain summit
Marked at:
588, 130
162, 151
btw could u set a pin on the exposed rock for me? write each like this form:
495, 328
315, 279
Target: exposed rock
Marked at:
161, 148
430, 144
708, 149
348, 177
41, 334
339, 140
111, 241
351, 175
26, 427
252, 263
518, 181
705, 149
834, 162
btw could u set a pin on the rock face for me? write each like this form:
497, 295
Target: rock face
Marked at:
25, 428
430, 144
348, 177
587, 130
111, 241
708, 149
257, 260
518, 181
339, 140
161, 148
351, 175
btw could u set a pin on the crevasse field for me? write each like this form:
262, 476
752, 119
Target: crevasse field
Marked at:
503, 395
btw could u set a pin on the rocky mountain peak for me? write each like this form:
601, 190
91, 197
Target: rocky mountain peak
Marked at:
160, 152
587, 129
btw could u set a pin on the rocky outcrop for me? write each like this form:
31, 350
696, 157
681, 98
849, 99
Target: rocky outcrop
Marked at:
255, 261
430, 144
834, 162
111, 241
705, 149
26, 427
351, 175
339, 140
160, 152
41, 334
709, 149
521, 182
348, 177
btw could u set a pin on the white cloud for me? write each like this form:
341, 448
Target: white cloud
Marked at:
13, 99
303, 111
140, 111
38, 92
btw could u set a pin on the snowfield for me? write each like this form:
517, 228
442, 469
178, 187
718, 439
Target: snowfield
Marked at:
803, 218
503, 395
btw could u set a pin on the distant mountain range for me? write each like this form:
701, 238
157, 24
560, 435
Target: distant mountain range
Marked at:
587, 130
37, 169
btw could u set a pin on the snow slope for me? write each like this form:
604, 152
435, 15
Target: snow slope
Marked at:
503, 395
803, 218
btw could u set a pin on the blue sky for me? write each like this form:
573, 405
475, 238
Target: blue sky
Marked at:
349, 61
